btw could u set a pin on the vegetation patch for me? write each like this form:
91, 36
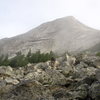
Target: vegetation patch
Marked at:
98, 54
21, 60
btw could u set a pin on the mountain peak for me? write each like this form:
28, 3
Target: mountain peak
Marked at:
70, 17
61, 35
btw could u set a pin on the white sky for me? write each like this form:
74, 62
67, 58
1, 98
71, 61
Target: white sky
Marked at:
19, 16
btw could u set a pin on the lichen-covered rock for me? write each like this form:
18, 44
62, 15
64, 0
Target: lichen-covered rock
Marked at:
92, 61
66, 70
69, 81
82, 71
81, 92
4, 88
98, 74
61, 94
95, 91
19, 73
56, 78
42, 66
89, 80
10, 80
29, 76
6, 71
51, 77
29, 90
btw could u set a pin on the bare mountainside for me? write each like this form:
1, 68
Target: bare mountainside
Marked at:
60, 35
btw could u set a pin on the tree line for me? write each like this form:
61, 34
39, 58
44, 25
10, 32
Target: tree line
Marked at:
21, 60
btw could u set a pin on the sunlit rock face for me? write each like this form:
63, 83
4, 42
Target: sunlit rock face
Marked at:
60, 35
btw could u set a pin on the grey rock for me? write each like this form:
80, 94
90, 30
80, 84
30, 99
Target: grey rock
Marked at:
67, 70
42, 66
10, 80
92, 61
81, 71
4, 87
6, 71
81, 92
56, 77
29, 90
95, 90
98, 75
38, 82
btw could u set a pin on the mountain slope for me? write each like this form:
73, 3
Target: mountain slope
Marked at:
64, 34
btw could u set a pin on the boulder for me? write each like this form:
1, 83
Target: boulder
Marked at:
4, 88
89, 80
93, 61
56, 78
29, 76
97, 63
28, 68
95, 91
82, 71
6, 71
98, 74
29, 90
66, 70
10, 80
19, 73
70, 60
51, 77
81, 92
61, 94
41, 65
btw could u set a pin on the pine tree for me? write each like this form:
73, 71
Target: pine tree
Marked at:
21, 60
5, 61
1, 60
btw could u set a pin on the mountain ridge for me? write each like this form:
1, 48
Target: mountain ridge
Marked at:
60, 35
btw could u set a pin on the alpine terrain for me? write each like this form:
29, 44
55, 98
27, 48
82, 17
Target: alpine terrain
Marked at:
60, 35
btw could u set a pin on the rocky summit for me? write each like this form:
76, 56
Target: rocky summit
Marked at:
74, 78
60, 35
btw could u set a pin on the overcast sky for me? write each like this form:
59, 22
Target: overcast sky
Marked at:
19, 16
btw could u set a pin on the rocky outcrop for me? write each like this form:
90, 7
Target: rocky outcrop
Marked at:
69, 81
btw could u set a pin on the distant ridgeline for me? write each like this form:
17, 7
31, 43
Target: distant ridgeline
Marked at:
21, 60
